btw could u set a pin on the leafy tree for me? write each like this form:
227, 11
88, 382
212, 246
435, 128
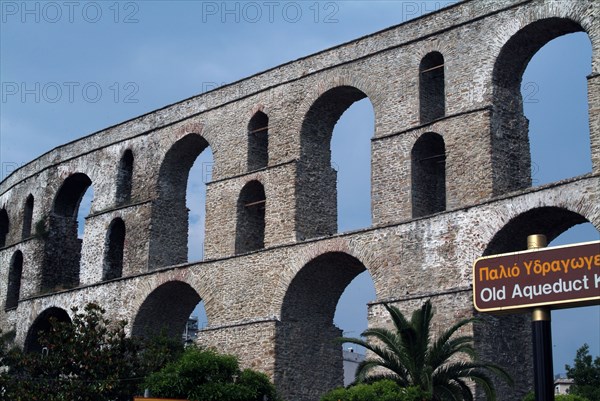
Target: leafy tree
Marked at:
204, 375
586, 374
411, 357
88, 359
382, 390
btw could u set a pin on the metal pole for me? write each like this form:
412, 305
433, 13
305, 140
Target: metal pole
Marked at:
542, 339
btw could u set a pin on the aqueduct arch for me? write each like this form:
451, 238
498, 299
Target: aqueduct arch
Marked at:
42, 324
306, 334
253, 295
165, 310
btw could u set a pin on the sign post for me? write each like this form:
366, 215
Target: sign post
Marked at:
541, 329
539, 279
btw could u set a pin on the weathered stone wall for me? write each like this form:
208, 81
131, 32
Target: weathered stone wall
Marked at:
273, 307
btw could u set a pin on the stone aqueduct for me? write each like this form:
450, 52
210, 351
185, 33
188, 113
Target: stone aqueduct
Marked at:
450, 182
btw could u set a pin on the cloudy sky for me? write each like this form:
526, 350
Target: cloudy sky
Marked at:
69, 69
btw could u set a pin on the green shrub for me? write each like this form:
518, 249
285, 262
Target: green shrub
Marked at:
204, 375
560, 397
382, 390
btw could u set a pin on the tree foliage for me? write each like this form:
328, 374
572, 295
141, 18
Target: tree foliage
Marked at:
88, 359
559, 397
204, 375
444, 367
585, 374
382, 390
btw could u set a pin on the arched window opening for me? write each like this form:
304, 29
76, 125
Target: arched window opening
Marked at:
351, 159
63, 245
555, 101
174, 226
428, 175
511, 156
41, 325
432, 99
14, 280
250, 230
200, 175
307, 334
166, 311
114, 246
124, 178
316, 197
27, 217
4, 226
258, 141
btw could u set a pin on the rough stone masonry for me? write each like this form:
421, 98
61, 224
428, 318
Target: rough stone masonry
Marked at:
451, 181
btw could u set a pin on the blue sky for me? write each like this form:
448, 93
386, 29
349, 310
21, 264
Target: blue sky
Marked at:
70, 70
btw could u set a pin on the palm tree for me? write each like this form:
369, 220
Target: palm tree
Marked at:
411, 357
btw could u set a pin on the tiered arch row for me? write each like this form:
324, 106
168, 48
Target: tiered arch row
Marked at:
450, 181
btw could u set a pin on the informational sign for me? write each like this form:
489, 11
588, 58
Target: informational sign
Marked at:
564, 276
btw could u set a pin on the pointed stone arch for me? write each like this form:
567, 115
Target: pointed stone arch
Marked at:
62, 251
166, 310
511, 157
306, 334
43, 324
169, 235
316, 205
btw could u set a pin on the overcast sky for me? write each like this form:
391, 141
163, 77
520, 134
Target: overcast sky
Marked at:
69, 69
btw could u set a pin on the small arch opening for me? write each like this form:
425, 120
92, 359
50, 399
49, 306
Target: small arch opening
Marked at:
114, 248
14, 280
124, 178
27, 217
428, 175
4, 226
41, 325
258, 141
250, 228
432, 99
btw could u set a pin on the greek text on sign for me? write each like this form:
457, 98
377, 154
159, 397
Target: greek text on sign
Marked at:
563, 276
